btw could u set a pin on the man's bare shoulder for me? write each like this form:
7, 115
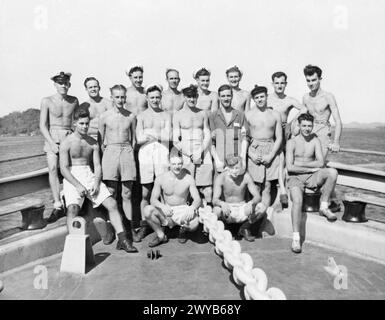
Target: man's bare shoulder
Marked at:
65, 144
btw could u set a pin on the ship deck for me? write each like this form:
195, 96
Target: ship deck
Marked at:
193, 271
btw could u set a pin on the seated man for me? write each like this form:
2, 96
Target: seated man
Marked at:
175, 186
76, 152
232, 185
306, 167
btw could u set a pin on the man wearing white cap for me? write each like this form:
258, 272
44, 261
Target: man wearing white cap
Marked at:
55, 124
136, 98
172, 98
241, 98
153, 135
207, 100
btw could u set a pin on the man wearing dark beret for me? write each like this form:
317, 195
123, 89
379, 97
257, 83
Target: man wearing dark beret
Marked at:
265, 142
55, 124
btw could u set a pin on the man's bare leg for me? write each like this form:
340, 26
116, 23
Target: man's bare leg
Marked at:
127, 207
334, 205
155, 219
72, 212
146, 194
328, 179
296, 195
281, 180
53, 177
116, 220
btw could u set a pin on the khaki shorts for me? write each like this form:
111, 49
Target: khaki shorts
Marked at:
308, 180
118, 163
259, 172
153, 161
58, 135
202, 173
87, 178
324, 133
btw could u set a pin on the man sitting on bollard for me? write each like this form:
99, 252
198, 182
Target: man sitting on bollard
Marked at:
76, 152
175, 186
305, 164
229, 197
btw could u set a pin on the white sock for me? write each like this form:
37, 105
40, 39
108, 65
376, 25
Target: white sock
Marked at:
296, 236
324, 205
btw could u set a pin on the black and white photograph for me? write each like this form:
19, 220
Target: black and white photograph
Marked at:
189, 155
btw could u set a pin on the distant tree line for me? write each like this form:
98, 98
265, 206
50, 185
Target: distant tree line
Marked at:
16, 123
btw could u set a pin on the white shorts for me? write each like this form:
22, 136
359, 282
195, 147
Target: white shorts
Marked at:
179, 214
86, 177
153, 161
237, 214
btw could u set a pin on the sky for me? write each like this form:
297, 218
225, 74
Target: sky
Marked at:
39, 38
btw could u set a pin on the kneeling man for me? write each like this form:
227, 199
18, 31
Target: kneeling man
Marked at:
230, 189
76, 152
306, 167
175, 186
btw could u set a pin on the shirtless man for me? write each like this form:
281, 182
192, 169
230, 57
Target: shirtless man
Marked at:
306, 166
77, 153
55, 124
321, 105
136, 97
228, 131
172, 98
117, 131
174, 186
266, 138
191, 135
207, 100
153, 135
241, 98
282, 103
229, 197
96, 105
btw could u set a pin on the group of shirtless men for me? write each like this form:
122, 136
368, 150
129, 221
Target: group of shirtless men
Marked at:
186, 145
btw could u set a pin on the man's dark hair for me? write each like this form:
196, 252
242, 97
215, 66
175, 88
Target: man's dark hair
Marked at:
89, 79
81, 112
135, 69
224, 87
309, 70
169, 70
202, 72
305, 117
191, 91
118, 87
278, 74
153, 88
258, 89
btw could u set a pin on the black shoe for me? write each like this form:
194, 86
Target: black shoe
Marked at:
126, 245
158, 241
284, 199
56, 215
110, 238
245, 233
182, 236
334, 206
143, 231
